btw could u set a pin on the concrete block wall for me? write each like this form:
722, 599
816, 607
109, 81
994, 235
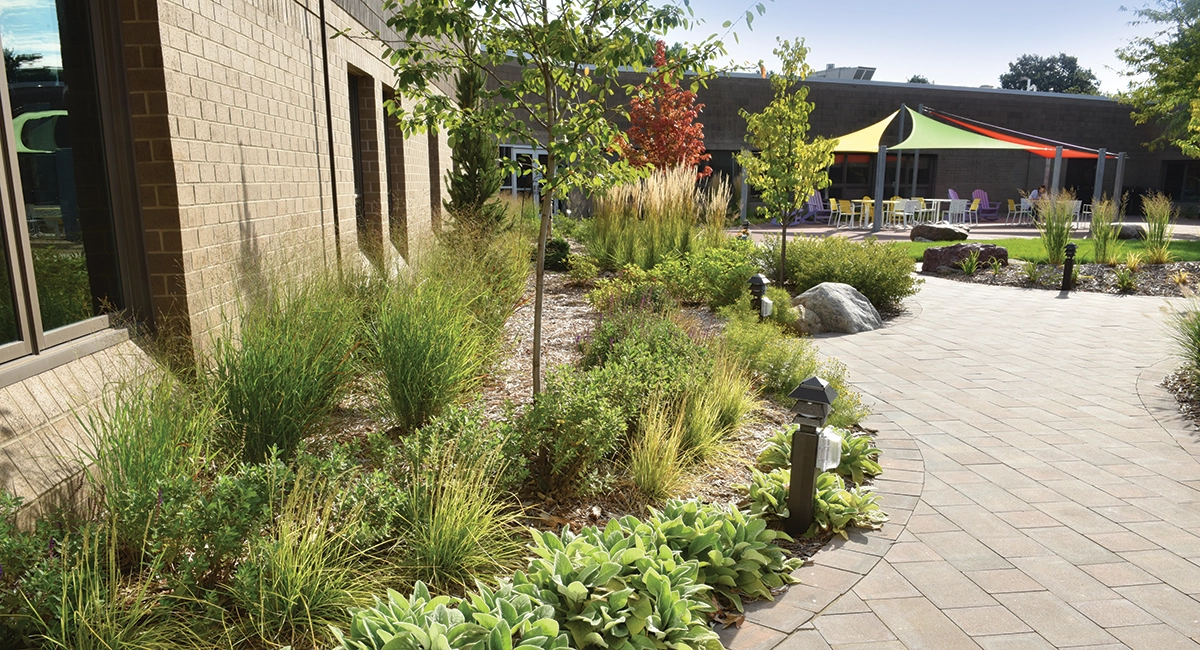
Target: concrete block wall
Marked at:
236, 148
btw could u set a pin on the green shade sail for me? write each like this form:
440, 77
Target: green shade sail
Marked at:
865, 140
931, 134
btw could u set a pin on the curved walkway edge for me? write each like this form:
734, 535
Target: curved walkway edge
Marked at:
1044, 491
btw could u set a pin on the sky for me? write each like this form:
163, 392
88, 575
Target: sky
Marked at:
949, 42
31, 27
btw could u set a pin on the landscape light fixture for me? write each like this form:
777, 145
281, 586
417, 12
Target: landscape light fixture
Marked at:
814, 401
758, 295
1068, 281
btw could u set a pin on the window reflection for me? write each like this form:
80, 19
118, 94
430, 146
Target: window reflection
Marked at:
56, 122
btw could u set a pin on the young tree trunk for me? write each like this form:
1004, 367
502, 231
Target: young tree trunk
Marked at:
539, 283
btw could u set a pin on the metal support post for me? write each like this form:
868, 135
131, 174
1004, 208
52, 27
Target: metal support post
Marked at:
1098, 186
880, 171
1118, 185
916, 165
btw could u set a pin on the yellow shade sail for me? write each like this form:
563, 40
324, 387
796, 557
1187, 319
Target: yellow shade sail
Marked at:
865, 140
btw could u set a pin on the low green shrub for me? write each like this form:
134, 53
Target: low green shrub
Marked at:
20, 553
146, 437
285, 368
557, 250
609, 590
429, 348
582, 269
737, 554
632, 289
714, 275
880, 271
780, 362
783, 312
473, 435
569, 429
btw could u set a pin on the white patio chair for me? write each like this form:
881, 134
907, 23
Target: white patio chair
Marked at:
957, 212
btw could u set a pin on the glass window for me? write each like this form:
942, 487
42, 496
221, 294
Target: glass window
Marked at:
58, 127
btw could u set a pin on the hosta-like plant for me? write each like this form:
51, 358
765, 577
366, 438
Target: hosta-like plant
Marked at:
837, 508
768, 493
507, 618
778, 453
611, 590
736, 553
860, 458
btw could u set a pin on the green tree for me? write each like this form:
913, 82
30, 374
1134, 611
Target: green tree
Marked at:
1165, 72
782, 164
476, 175
13, 62
918, 79
1050, 74
552, 69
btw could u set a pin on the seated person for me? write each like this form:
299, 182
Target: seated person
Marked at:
1040, 192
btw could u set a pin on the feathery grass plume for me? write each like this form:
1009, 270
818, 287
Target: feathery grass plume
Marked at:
457, 526
655, 462
300, 578
1056, 216
285, 368
1160, 226
1105, 231
649, 220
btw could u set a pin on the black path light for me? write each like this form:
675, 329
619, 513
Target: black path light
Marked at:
758, 292
1068, 282
814, 400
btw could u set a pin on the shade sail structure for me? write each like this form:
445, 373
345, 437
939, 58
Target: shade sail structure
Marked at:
865, 140
931, 134
1033, 144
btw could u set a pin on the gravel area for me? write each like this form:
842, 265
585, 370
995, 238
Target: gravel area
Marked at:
1151, 279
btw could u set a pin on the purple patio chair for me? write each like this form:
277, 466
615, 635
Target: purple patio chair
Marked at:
816, 210
987, 210
953, 195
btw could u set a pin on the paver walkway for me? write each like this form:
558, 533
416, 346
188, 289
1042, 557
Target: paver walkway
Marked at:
1044, 491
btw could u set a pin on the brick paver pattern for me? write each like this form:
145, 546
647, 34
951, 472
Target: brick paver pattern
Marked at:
1044, 491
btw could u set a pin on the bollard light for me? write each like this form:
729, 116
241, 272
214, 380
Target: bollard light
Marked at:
814, 401
1069, 268
758, 289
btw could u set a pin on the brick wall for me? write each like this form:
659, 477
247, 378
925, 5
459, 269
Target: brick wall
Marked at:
238, 152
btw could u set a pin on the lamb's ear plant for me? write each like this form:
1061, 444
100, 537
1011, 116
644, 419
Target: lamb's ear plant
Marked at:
1160, 226
860, 458
837, 508
778, 453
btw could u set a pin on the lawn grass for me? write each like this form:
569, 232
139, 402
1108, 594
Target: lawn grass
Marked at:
1031, 249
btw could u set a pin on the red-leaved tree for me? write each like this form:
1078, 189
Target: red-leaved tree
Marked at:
664, 131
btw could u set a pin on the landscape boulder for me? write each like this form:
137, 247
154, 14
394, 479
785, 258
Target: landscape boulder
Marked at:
809, 322
953, 256
940, 231
837, 307
1132, 231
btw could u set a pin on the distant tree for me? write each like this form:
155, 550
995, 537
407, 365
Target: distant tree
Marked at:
1051, 74
663, 130
918, 79
14, 62
1165, 72
476, 175
784, 166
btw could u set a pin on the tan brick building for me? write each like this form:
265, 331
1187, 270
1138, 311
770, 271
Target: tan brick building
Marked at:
160, 157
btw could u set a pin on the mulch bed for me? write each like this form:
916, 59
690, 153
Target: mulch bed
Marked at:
1152, 279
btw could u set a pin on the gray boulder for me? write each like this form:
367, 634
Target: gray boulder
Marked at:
953, 256
940, 231
1132, 231
809, 322
840, 308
